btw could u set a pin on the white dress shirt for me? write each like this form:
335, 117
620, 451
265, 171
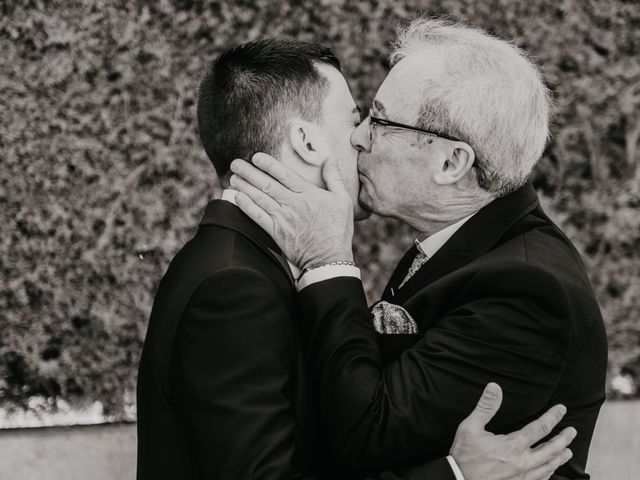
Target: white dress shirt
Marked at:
433, 243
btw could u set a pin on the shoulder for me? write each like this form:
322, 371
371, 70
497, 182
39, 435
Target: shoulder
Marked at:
515, 302
216, 252
219, 271
233, 283
521, 279
543, 255
238, 302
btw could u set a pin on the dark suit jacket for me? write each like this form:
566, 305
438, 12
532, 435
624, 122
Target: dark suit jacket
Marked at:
506, 299
221, 384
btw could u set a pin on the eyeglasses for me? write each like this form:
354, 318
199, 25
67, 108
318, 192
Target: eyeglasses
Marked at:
381, 122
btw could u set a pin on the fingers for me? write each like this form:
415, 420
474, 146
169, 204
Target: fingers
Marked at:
279, 171
486, 408
260, 180
255, 213
544, 472
544, 453
261, 199
333, 177
540, 428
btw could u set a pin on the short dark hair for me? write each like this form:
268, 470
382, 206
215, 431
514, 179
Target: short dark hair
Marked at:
251, 91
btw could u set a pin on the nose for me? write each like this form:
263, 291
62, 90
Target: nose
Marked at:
360, 138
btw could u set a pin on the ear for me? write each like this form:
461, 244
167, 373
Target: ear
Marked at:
457, 165
309, 142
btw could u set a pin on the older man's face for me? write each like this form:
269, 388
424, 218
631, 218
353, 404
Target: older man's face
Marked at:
396, 166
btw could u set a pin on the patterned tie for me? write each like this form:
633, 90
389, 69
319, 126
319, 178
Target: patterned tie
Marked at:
418, 262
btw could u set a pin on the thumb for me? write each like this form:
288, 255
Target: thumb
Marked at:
486, 407
333, 177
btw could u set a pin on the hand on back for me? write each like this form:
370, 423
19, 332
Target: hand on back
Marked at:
481, 455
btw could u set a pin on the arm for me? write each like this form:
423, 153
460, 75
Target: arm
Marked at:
505, 330
439, 469
413, 393
234, 352
235, 431
480, 455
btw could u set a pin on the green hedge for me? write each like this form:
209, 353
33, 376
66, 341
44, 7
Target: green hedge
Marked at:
103, 177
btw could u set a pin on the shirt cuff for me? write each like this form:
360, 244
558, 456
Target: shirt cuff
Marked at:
325, 273
454, 466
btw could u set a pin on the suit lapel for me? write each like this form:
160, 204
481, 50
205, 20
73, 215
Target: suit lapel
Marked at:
224, 214
477, 236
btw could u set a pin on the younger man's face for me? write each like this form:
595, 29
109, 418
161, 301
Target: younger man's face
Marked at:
341, 117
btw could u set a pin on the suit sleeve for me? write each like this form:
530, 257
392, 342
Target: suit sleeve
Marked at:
438, 469
235, 351
510, 325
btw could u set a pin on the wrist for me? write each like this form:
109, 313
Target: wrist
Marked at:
335, 263
345, 258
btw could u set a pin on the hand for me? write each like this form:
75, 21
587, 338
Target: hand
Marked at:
312, 226
482, 455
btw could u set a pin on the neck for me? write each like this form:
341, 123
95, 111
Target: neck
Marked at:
426, 227
444, 212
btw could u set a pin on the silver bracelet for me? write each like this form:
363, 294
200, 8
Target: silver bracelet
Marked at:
331, 264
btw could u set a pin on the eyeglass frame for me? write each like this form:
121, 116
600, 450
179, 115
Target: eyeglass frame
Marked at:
373, 121
390, 123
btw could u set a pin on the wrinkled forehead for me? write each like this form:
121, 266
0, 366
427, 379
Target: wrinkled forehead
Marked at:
402, 91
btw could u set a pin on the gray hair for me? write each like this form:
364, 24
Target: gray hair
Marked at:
491, 95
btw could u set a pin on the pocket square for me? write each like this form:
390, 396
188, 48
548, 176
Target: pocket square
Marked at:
392, 319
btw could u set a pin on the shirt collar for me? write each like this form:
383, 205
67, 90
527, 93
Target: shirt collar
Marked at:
229, 195
430, 245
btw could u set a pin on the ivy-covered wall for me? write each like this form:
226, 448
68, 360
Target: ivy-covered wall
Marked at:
102, 176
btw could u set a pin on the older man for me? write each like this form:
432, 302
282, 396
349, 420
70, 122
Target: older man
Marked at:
222, 387
493, 290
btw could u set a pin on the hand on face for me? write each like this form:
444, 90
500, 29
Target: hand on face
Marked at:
482, 455
311, 225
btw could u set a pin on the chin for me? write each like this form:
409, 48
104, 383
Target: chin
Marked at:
362, 208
